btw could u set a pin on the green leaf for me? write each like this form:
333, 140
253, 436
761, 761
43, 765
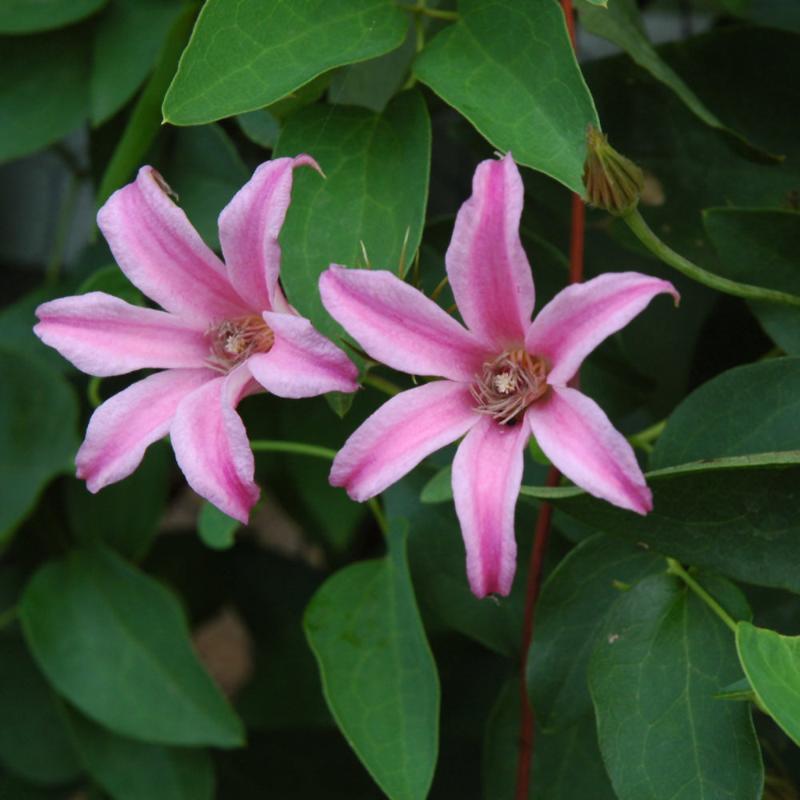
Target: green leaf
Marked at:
34, 743
439, 488
662, 657
260, 126
115, 643
734, 515
38, 437
206, 171
24, 16
127, 40
748, 409
244, 55
144, 122
760, 246
373, 83
375, 193
771, 663
43, 90
126, 514
566, 765
509, 68
16, 330
569, 613
621, 24
130, 770
378, 672
216, 529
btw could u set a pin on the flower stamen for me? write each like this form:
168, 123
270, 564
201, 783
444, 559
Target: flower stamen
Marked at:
234, 340
509, 384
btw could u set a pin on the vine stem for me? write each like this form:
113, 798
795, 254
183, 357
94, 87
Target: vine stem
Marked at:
674, 568
298, 448
315, 451
541, 535
665, 253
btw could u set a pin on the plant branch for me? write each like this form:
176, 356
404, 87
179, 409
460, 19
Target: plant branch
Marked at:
675, 568
648, 238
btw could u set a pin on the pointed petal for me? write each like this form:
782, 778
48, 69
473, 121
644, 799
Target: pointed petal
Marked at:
156, 246
488, 269
249, 226
581, 316
577, 436
402, 432
211, 444
487, 474
123, 427
398, 325
302, 362
103, 335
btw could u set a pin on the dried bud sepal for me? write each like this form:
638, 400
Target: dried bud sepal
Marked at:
612, 182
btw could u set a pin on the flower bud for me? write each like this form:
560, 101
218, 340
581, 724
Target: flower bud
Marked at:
612, 181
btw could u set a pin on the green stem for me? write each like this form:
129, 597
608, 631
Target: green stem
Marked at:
298, 448
435, 13
648, 238
674, 568
644, 439
381, 384
303, 449
377, 512
93, 391
7, 617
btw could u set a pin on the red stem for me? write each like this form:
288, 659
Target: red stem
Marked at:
542, 532
526, 731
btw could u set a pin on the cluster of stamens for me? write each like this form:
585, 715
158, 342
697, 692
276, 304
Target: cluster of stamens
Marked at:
235, 340
509, 384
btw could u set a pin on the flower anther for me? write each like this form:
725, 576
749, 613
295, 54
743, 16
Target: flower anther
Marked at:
509, 384
233, 341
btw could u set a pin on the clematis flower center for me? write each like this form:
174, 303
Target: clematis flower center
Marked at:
235, 340
509, 384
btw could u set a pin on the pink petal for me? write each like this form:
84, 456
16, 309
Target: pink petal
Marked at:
579, 439
302, 362
123, 427
211, 444
579, 317
249, 226
487, 474
488, 269
103, 335
398, 325
161, 253
402, 432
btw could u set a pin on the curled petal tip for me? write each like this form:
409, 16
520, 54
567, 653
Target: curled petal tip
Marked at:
304, 160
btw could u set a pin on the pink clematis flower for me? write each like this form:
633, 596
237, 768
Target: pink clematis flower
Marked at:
505, 377
226, 332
